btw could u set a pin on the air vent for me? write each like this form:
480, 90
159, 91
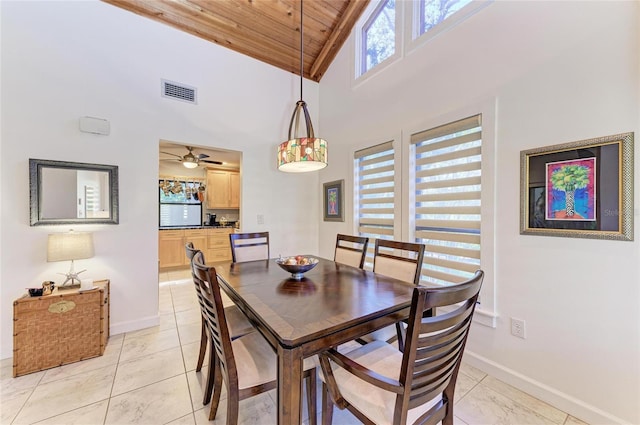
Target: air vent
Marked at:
179, 91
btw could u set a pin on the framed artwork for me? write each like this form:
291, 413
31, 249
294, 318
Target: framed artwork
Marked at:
333, 204
580, 189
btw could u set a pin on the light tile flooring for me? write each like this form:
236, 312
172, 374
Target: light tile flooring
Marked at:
148, 377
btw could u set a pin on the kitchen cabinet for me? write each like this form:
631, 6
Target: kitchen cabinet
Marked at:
213, 242
171, 245
171, 248
223, 189
218, 245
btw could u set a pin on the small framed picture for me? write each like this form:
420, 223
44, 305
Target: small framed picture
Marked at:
333, 201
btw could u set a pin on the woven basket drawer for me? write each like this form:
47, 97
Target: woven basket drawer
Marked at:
62, 328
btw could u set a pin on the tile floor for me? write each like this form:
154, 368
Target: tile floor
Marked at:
148, 377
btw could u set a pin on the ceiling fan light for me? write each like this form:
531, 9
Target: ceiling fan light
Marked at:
190, 164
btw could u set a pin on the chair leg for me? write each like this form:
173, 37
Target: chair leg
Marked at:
203, 345
233, 402
401, 331
217, 390
327, 406
211, 375
311, 396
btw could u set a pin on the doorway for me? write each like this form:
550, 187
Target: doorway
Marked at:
188, 210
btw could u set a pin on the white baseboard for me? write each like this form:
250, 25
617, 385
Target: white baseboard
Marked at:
558, 399
134, 325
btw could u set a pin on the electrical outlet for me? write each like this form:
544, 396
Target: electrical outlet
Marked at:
517, 328
260, 219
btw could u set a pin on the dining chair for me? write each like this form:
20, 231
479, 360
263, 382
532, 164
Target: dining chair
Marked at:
246, 365
249, 246
381, 385
351, 250
402, 261
238, 323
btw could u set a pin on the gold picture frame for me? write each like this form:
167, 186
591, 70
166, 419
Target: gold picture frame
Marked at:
580, 189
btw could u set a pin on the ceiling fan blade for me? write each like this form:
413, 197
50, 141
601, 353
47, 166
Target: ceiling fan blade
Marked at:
211, 162
202, 156
173, 154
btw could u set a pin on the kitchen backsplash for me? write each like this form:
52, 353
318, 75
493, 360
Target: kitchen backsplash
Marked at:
231, 215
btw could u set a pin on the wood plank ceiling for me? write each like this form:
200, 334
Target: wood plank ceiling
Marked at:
266, 30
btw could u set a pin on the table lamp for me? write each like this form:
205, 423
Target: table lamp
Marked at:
70, 246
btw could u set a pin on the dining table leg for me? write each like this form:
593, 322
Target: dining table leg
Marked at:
290, 363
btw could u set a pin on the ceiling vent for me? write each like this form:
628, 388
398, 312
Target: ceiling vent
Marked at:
179, 91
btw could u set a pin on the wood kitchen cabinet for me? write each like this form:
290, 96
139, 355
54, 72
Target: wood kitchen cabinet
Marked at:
171, 245
223, 189
214, 244
218, 245
171, 248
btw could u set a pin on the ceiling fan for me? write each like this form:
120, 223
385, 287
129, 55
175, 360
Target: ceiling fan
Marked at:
190, 160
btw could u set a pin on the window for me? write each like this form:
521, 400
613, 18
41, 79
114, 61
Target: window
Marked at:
447, 199
379, 36
433, 12
374, 194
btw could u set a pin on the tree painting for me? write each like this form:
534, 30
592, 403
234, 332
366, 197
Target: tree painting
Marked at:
333, 201
571, 190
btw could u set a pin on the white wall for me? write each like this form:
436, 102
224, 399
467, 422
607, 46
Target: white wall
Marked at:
65, 60
557, 72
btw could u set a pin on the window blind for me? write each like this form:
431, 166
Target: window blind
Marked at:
374, 191
448, 163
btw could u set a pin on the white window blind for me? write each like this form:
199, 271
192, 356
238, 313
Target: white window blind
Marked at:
374, 191
447, 199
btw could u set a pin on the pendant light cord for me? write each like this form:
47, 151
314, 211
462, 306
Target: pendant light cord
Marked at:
301, 50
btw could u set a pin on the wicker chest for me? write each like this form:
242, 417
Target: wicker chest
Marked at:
64, 327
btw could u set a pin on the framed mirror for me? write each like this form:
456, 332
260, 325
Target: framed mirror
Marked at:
62, 192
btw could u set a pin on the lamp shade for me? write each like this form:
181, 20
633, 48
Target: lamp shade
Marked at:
69, 246
302, 154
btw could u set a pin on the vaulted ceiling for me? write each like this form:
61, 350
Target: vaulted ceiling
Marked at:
266, 30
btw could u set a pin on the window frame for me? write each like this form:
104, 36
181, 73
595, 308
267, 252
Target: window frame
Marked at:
413, 33
359, 55
486, 313
398, 227
404, 195
461, 229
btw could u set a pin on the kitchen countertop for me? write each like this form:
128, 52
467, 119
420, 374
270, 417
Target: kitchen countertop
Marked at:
195, 227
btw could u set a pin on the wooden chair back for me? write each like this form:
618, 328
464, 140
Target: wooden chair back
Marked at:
216, 322
190, 250
249, 246
434, 347
351, 250
426, 370
406, 266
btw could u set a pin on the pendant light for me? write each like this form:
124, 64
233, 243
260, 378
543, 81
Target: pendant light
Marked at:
301, 154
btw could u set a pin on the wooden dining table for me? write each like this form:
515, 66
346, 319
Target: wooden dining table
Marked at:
332, 304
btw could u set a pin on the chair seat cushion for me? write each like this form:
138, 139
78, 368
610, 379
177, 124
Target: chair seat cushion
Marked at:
237, 322
257, 362
376, 404
384, 334
226, 301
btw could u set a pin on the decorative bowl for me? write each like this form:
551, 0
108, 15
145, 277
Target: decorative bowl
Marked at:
35, 292
297, 265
